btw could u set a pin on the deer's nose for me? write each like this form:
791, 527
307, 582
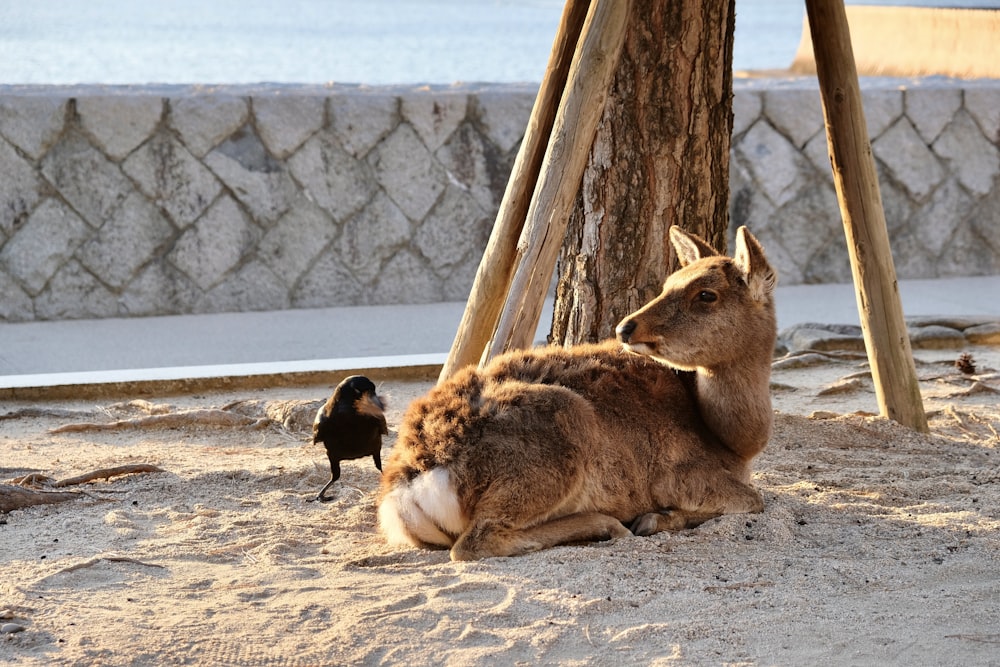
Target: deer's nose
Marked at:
625, 329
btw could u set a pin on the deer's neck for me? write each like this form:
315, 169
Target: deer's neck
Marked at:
735, 402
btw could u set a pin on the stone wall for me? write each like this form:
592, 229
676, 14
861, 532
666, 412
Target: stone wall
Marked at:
936, 144
165, 200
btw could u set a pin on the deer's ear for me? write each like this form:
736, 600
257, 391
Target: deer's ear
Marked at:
689, 247
750, 258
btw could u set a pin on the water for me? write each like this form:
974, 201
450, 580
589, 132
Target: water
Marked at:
320, 41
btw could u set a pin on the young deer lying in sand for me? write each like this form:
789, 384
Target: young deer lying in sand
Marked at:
552, 445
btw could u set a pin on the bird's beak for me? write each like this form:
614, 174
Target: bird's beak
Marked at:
369, 404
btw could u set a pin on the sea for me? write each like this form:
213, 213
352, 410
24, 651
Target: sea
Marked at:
375, 42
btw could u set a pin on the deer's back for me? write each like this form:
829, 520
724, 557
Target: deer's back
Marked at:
619, 413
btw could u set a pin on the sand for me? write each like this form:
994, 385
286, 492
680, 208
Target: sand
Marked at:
877, 546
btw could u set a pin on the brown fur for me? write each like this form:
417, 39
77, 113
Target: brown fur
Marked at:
553, 445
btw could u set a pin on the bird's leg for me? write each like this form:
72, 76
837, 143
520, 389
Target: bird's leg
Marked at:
334, 476
378, 460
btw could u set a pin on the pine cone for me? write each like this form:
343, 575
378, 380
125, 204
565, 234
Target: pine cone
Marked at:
966, 364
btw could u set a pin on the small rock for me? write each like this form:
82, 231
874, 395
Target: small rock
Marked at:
803, 360
984, 334
823, 337
950, 321
935, 337
10, 628
844, 386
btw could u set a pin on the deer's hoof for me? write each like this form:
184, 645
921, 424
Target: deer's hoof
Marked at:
646, 525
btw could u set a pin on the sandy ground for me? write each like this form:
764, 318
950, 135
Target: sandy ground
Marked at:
877, 546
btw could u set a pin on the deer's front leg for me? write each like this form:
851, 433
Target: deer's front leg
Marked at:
737, 498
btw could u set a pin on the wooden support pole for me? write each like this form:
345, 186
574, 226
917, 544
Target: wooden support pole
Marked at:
580, 111
489, 290
856, 181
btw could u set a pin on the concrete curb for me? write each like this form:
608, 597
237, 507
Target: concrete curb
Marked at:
193, 379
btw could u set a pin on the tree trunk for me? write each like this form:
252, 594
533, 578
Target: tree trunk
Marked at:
660, 157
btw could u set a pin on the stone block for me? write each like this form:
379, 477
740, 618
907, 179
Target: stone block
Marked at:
406, 279
296, 240
74, 293
789, 268
797, 114
931, 108
89, 181
204, 121
772, 161
457, 283
456, 228
909, 254
908, 159
45, 242
747, 107
935, 222
817, 151
983, 104
985, 220
253, 287
331, 177
329, 282
809, 223
159, 289
19, 188
434, 116
257, 180
371, 237
967, 255
896, 201
32, 124
360, 121
119, 123
504, 116
475, 165
126, 241
973, 159
882, 109
286, 121
16, 305
172, 178
408, 172
215, 244
831, 263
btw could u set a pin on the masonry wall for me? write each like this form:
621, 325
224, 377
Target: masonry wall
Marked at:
166, 200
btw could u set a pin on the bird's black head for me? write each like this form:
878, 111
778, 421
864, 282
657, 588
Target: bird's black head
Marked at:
350, 390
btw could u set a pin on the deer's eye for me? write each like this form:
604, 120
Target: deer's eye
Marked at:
707, 296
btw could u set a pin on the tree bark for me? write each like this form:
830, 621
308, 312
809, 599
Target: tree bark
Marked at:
660, 157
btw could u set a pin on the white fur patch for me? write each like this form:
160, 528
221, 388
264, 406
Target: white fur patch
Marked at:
422, 511
639, 348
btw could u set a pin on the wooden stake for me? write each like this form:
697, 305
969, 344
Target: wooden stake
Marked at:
489, 291
856, 181
580, 110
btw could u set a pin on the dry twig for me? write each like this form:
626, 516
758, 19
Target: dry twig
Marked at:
185, 418
16, 497
17, 493
98, 559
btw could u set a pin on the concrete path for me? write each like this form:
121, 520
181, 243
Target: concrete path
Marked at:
327, 342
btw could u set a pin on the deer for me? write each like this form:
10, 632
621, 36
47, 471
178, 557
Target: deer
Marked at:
654, 431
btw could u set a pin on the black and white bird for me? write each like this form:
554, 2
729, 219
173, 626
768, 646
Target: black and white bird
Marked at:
350, 425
